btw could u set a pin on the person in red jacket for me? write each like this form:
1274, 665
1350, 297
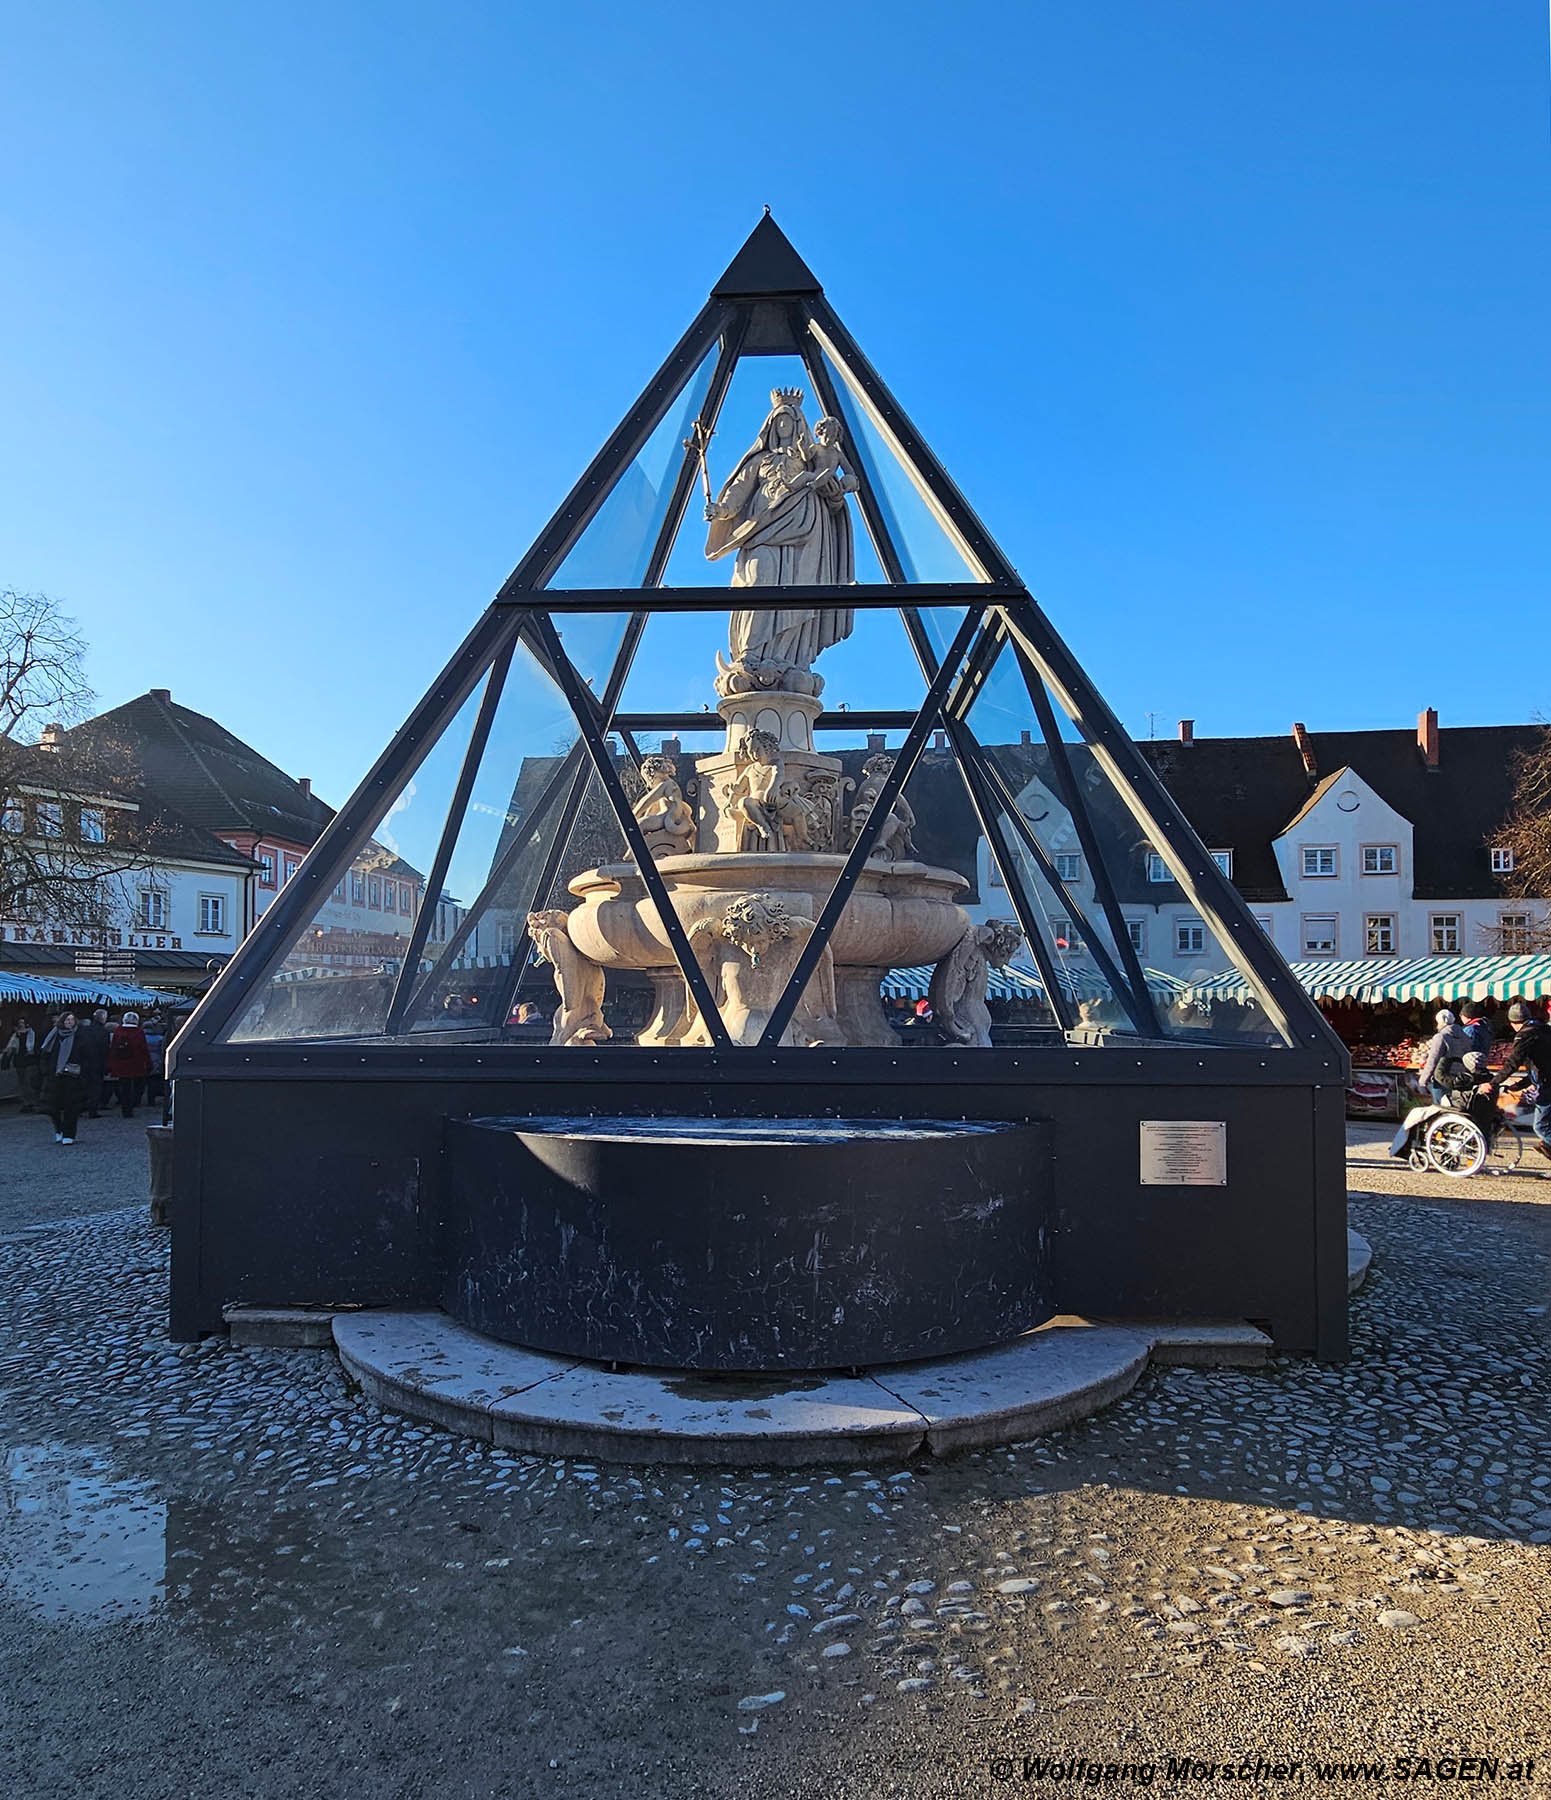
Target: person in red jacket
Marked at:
129, 1062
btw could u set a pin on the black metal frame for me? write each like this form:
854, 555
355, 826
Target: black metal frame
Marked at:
999, 614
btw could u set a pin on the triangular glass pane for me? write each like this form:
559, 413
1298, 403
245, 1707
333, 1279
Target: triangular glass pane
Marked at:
515, 806
616, 548
928, 550
1091, 831
341, 968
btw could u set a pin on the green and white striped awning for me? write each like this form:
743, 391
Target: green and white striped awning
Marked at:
1372, 979
1016, 983
50, 990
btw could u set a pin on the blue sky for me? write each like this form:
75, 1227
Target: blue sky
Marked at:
1230, 319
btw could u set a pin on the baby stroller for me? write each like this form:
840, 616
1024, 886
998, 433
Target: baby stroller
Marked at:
1456, 1139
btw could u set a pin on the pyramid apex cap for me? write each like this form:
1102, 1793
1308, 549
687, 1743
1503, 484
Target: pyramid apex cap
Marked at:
766, 265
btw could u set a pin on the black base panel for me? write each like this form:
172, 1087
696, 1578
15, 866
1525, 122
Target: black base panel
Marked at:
760, 1245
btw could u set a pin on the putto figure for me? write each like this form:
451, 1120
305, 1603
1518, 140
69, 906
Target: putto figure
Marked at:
748, 955
782, 513
894, 839
662, 811
579, 983
958, 987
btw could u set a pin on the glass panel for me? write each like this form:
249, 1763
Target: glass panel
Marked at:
1186, 955
498, 852
928, 550
338, 977
617, 545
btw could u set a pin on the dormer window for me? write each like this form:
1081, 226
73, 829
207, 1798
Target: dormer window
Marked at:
1502, 859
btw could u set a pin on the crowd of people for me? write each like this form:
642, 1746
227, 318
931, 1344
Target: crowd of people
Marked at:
75, 1064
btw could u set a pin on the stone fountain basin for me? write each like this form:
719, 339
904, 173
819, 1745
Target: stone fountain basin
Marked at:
899, 914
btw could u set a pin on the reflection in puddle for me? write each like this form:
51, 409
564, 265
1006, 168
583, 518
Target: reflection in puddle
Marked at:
76, 1543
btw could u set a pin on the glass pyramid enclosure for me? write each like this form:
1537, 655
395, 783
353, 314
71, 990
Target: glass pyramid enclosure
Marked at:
763, 779
569, 762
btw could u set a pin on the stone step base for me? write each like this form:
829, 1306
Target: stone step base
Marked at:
425, 1365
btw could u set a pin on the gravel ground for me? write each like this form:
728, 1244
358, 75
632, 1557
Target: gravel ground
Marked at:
222, 1571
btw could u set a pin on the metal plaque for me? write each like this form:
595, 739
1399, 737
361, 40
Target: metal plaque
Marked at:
1184, 1153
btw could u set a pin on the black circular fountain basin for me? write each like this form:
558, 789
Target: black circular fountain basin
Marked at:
747, 1244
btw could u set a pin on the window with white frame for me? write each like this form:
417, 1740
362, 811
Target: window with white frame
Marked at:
1381, 859
153, 910
1379, 934
339, 888
374, 892
50, 816
1445, 933
1318, 860
406, 898
1068, 866
1065, 937
13, 817
508, 942
212, 914
1502, 859
1319, 934
993, 874
1224, 861
1136, 930
1263, 920
1189, 937
266, 863
94, 825
290, 867
357, 888
1157, 868
1516, 933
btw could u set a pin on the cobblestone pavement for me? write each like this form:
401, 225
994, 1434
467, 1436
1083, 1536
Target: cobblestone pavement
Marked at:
105, 1167
223, 1572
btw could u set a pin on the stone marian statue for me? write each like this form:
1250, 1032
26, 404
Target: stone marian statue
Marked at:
783, 514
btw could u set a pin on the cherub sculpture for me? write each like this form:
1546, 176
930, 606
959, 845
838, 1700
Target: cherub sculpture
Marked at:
662, 811
894, 840
748, 954
958, 987
755, 796
579, 983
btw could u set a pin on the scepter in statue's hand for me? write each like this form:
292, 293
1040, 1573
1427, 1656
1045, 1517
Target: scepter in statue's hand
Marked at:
700, 436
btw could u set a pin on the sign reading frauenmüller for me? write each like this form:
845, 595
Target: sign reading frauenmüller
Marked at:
1184, 1153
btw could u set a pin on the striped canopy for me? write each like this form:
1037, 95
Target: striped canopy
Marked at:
1371, 979
49, 990
1015, 983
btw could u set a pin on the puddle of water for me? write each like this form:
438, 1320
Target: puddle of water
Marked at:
76, 1543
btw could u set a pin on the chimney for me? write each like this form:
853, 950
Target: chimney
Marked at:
876, 740
1187, 731
1427, 736
49, 737
671, 747
940, 742
1306, 751
162, 694
304, 782
1026, 736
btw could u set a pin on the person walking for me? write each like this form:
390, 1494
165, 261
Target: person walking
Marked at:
21, 1054
129, 1062
1531, 1048
92, 1053
63, 1088
155, 1030
1444, 1049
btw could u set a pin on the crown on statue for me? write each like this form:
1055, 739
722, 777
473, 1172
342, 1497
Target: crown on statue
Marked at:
786, 396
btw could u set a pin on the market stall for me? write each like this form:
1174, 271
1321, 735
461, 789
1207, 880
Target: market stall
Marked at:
1382, 1007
